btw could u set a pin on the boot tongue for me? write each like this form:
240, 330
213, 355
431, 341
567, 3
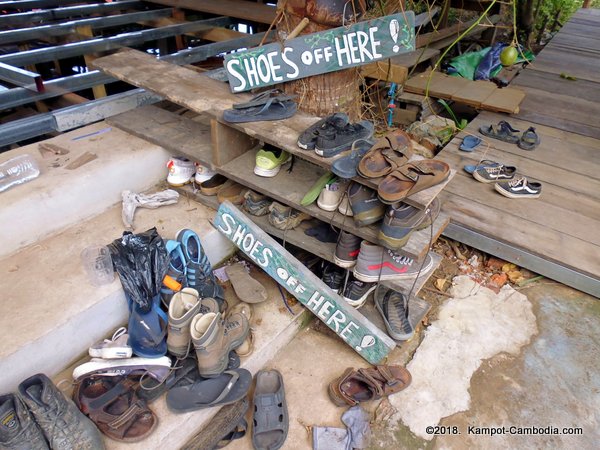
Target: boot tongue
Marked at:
35, 393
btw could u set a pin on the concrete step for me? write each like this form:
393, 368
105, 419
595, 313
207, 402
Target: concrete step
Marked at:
69, 189
52, 314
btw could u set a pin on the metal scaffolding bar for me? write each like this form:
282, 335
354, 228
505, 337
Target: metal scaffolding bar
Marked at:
69, 11
21, 77
65, 28
110, 43
21, 5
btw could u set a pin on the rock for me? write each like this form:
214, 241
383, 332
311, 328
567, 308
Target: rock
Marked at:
440, 283
515, 276
499, 279
495, 263
508, 267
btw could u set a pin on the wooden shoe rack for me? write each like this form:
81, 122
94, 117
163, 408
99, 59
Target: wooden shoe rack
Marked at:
228, 148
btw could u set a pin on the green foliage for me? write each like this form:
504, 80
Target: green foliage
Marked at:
548, 11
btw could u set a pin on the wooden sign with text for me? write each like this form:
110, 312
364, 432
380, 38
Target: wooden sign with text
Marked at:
354, 329
327, 51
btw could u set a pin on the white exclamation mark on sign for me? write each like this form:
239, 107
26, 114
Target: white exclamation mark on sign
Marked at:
394, 32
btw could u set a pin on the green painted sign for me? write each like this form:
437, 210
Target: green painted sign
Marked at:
323, 52
358, 332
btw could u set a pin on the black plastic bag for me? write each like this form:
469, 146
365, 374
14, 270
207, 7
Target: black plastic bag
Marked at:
141, 260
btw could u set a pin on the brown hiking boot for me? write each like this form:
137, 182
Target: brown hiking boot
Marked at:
184, 305
214, 338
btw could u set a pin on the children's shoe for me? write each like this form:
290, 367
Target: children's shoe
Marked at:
114, 348
181, 171
18, 429
520, 188
357, 292
203, 173
331, 196
269, 161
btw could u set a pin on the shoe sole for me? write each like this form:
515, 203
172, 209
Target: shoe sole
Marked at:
119, 366
211, 191
215, 371
396, 276
393, 243
306, 146
364, 219
393, 334
329, 208
511, 195
357, 304
268, 173
344, 263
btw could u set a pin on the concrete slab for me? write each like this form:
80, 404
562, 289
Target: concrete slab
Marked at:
50, 311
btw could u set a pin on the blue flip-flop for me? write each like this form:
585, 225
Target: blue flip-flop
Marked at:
469, 143
470, 168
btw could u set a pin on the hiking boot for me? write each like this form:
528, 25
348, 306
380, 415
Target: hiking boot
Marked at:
256, 204
337, 140
181, 171
520, 188
357, 292
400, 221
366, 207
214, 338
285, 217
308, 138
489, 174
392, 306
377, 263
63, 425
346, 250
18, 429
269, 161
184, 305
333, 276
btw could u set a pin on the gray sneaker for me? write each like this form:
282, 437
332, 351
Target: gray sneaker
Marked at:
392, 306
377, 263
346, 250
367, 208
18, 430
400, 221
63, 425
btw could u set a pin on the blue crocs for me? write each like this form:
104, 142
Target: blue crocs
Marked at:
147, 331
469, 143
176, 270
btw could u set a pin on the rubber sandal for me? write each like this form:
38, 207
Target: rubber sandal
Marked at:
270, 421
148, 331
113, 405
389, 153
469, 143
412, 178
273, 109
246, 288
262, 99
313, 193
229, 387
226, 425
529, 139
503, 132
362, 385
470, 168
345, 167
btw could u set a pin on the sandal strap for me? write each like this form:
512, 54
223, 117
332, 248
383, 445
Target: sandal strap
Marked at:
371, 382
234, 379
336, 392
130, 414
386, 373
411, 172
267, 412
237, 433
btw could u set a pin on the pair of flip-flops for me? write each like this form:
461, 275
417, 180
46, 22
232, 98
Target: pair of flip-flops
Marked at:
273, 104
504, 131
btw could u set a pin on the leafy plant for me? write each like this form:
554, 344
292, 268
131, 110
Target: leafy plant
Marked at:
461, 124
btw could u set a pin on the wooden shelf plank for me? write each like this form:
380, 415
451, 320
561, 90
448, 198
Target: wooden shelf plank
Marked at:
173, 132
291, 188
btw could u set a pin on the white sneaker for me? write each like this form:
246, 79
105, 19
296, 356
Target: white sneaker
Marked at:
113, 348
181, 170
157, 368
345, 207
203, 173
331, 196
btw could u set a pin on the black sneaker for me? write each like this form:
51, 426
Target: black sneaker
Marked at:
333, 276
339, 140
357, 292
494, 174
520, 188
18, 430
308, 138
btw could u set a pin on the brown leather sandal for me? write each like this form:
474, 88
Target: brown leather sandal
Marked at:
363, 385
113, 405
412, 178
390, 152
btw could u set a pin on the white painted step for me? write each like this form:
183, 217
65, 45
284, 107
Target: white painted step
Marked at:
61, 197
52, 314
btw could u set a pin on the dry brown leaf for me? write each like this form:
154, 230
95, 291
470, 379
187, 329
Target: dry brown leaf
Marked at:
508, 267
440, 283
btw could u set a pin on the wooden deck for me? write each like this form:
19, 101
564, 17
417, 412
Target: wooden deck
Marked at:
557, 235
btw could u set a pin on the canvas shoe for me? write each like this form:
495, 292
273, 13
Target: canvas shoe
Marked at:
357, 292
346, 250
401, 220
269, 161
345, 207
333, 276
366, 206
392, 306
113, 348
181, 171
489, 174
331, 195
285, 217
203, 173
214, 338
376, 263
338, 140
63, 425
520, 188
18, 429
308, 137
184, 305
256, 204
157, 368
176, 270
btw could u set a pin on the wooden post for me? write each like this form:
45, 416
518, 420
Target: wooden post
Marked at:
100, 90
228, 143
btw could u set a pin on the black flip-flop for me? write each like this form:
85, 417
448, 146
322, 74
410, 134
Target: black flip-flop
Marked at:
503, 132
229, 387
273, 109
529, 139
270, 420
262, 98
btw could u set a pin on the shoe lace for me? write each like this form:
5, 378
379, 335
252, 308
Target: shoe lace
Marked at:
494, 169
116, 335
517, 182
53, 423
400, 259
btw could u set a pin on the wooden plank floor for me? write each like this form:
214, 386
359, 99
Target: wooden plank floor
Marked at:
563, 226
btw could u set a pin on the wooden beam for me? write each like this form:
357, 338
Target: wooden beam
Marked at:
240, 9
86, 31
